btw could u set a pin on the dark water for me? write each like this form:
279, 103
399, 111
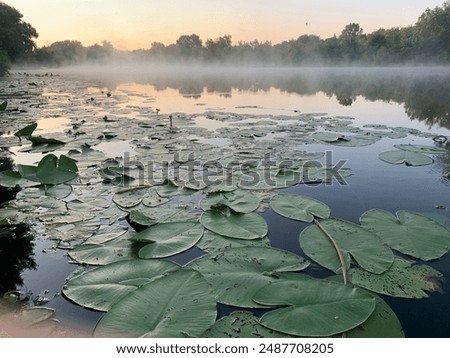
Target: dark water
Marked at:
402, 97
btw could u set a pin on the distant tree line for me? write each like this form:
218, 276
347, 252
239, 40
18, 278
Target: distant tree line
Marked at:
427, 41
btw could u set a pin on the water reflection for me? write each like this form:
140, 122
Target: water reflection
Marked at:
423, 92
16, 242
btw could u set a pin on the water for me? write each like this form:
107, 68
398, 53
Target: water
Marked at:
417, 98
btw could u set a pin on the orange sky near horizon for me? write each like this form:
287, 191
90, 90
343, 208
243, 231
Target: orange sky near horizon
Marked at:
136, 24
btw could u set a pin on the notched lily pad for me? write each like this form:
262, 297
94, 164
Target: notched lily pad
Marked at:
314, 308
405, 157
236, 274
408, 232
299, 207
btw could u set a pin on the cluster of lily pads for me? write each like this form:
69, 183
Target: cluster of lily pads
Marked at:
101, 211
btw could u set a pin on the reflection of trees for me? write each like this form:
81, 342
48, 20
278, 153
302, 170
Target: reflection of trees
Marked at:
16, 242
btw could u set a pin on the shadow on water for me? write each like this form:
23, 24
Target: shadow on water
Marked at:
16, 242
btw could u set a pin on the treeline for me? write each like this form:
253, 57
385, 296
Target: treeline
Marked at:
427, 41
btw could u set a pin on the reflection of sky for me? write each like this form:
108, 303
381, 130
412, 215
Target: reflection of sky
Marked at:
138, 23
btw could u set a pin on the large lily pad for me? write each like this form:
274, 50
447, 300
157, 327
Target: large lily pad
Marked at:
314, 308
168, 239
353, 241
299, 207
403, 279
178, 305
410, 233
421, 148
102, 287
228, 223
236, 274
240, 201
407, 157
11, 178
147, 216
54, 170
241, 325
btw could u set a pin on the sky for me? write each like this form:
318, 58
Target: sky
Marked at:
134, 24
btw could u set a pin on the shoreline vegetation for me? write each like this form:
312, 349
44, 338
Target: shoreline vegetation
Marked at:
427, 42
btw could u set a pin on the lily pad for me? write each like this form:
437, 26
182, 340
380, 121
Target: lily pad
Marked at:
26, 131
408, 232
240, 201
11, 179
314, 308
115, 250
59, 191
237, 225
236, 274
107, 233
130, 197
178, 305
421, 148
241, 325
405, 157
54, 170
165, 240
168, 190
403, 279
299, 207
3, 106
214, 243
102, 287
353, 241
146, 216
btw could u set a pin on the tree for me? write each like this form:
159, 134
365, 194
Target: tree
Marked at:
16, 36
219, 49
190, 46
351, 40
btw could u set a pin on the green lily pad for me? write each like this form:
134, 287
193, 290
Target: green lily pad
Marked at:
43, 145
408, 232
214, 243
168, 190
314, 308
299, 207
228, 223
168, 239
3, 106
52, 170
131, 197
240, 201
178, 305
106, 233
236, 274
403, 279
421, 148
11, 179
118, 249
147, 216
102, 287
59, 191
266, 179
407, 157
26, 131
241, 325
353, 241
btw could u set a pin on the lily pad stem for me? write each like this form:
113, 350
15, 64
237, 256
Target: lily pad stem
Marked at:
338, 250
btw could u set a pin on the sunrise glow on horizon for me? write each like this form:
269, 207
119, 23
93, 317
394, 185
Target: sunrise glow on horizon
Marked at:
136, 24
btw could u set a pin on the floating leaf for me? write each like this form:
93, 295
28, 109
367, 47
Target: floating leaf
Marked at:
362, 245
52, 170
403, 279
168, 190
10, 179
236, 274
240, 201
3, 106
59, 191
410, 233
26, 131
102, 254
241, 325
106, 233
265, 178
421, 148
43, 145
89, 203
299, 207
407, 157
178, 305
102, 287
130, 197
214, 243
151, 216
165, 240
314, 308
229, 223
